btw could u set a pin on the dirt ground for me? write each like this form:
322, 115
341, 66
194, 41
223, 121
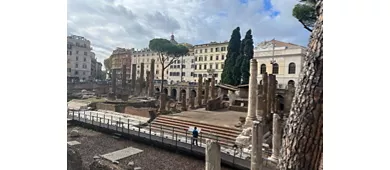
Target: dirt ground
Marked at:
225, 118
152, 158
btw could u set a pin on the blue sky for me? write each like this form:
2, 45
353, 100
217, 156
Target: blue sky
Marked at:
131, 24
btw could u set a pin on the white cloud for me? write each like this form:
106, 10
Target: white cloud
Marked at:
132, 23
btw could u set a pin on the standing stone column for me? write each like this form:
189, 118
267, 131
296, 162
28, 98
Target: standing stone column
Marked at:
133, 78
151, 77
143, 81
213, 155
113, 81
276, 137
257, 146
252, 102
206, 92
265, 92
272, 92
183, 102
124, 83
212, 90
199, 93
147, 83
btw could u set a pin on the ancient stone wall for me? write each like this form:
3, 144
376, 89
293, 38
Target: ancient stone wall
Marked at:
143, 112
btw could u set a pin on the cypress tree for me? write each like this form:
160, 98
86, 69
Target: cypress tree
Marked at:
227, 76
248, 55
237, 75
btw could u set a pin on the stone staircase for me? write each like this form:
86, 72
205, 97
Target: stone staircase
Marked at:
225, 135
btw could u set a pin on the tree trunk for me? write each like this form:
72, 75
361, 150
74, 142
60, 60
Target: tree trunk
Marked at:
302, 145
162, 78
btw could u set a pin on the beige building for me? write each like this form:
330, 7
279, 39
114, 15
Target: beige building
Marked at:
280, 58
120, 57
209, 59
79, 56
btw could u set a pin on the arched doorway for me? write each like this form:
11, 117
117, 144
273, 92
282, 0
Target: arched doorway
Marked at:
157, 89
193, 93
280, 100
182, 91
291, 83
165, 91
174, 93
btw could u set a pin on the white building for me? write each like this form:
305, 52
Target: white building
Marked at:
79, 56
183, 69
287, 61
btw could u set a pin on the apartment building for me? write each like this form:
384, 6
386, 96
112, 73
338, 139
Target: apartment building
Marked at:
79, 58
120, 57
209, 59
280, 58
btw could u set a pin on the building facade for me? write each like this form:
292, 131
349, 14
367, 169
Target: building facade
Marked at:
79, 56
209, 59
99, 72
280, 58
120, 57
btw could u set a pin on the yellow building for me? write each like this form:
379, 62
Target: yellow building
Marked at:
209, 59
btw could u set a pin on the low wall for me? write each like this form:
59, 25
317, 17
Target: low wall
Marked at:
143, 112
111, 107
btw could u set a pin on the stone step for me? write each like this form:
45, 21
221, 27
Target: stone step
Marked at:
220, 128
204, 129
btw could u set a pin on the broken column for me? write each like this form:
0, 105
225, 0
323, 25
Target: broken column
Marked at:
213, 155
133, 78
206, 92
257, 145
147, 82
288, 99
272, 92
276, 137
252, 99
124, 94
151, 78
183, 102
199, 92
212, 90
265, 91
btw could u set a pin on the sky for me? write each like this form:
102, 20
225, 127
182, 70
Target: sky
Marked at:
133, 23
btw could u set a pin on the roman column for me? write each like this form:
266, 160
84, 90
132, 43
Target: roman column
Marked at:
206, 92
133, 78
213, 155
252, 99
276, 137
257, 145
199, 93
151, 77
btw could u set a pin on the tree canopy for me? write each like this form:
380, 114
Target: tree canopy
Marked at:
247, 54
305, 13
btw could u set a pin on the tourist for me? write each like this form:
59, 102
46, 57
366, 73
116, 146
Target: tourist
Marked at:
195, 136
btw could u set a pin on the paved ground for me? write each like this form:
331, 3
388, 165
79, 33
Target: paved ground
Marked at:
96, 143
225, 118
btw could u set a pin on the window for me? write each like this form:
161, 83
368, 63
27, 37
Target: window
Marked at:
275, 68
192, 66
196, 51
77, 58
83, 72
200, 58
291, 83
216, 75
195, 66
171, 66
200, 67
85, 59
200, 51
192, 60
77, 65
85, 53
263, 69
178, 61
69, 70
211, 66
216, 49
216, 65
205, 58
211, 50
183, 66
192, 74
77, 52
196, 58
223, 48
291, 68
156, 71
76, 73
183, 73
216, 57
205, 66
222, 66
222, 57
211, 58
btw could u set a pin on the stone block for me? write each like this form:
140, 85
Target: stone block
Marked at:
74, 133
